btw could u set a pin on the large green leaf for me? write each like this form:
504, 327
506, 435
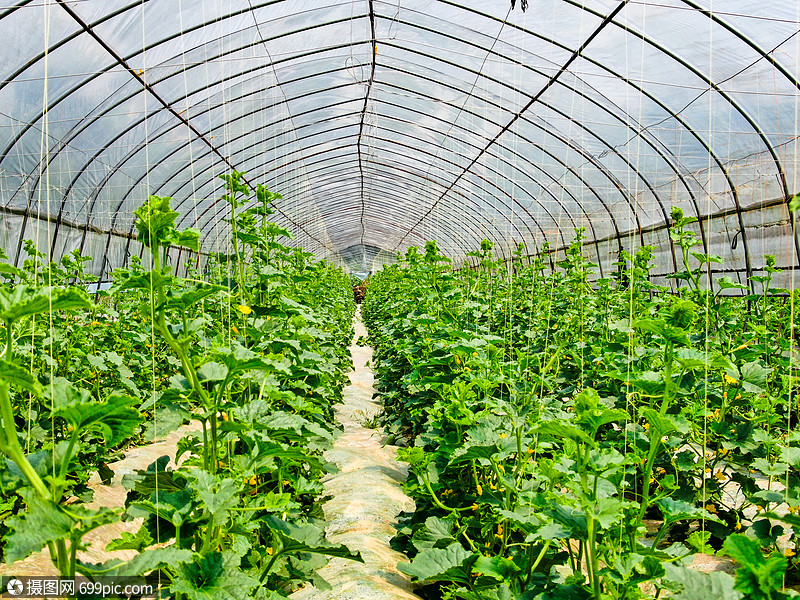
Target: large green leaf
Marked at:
758, 577
26, 300
498, 567
115, 417
754, 377
44, 521
155, 221
186, 298
696, 585
186, 238
453, 563
434, 533
145, 281
218, 495
678, 510
141, 564
131, 541
306, 537
673, 334
214, 576
561, 429
19, 377
590, 411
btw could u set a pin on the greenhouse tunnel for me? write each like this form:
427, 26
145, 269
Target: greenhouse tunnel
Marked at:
387, 123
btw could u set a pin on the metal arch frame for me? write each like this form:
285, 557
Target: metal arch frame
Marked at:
569, 145
685, 65
619, 187
407, 182
123, 62
391, 192
550, 81
527, 161
385, 180
367, 93
323, 152
782, 70
735, 105
354, 248
132, 153
689, 129
451, 237
132, 126
590, 99
349, 125
216, 222
344, 102
328, 49
702, 77
650, 143
138, 148
450, 233
392, 119
502, 160
523, 208
137, 78
593, 101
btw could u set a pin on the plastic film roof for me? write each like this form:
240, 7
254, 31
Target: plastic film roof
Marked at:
386, 123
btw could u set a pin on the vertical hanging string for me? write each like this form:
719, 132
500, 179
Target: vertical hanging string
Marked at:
793, 226
188, 116
145, 93
44, 159
631, 227
709, 166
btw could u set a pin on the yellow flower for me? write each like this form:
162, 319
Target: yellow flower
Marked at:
730, 380
503, 435
480, 490
789, 552
738, 527
742, 347
720, 476
475, 507
244, 309
236, 331
269, 551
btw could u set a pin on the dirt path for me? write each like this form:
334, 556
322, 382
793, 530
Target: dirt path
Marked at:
367, 497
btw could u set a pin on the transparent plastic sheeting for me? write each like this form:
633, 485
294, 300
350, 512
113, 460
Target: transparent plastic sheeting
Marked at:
387, 123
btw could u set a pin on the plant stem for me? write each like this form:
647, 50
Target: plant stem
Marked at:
12, 447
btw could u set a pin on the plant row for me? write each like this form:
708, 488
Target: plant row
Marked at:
253, 351
581, 437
